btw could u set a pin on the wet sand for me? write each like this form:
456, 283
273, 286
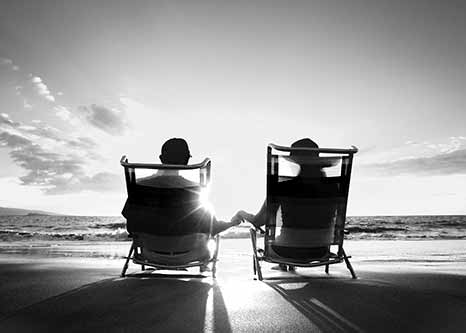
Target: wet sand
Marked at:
401, 286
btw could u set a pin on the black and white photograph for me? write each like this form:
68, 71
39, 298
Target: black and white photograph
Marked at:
233, 166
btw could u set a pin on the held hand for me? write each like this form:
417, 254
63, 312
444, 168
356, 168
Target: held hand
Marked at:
236, 219
245, 216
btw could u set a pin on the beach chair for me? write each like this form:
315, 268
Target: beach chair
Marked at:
162, 220
305, 213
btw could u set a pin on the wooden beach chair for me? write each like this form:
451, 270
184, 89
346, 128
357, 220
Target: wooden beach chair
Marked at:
305, 214
162, 220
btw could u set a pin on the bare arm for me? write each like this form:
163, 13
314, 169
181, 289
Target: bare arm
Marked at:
257, 220
220, 226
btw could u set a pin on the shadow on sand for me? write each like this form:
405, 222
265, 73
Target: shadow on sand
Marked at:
387, 302
140, 302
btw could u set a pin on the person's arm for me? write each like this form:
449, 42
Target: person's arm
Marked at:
219, 226
257, 220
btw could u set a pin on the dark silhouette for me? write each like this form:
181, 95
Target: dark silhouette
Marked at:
299, 217
175, 208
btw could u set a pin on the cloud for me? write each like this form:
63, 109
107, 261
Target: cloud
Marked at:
41, 89
452, 162
26, 104
36, 87
6, 120
452, 144
109, 120
83, 143
40, 130
55, 163
5, 61
8, 62
100, 182
62, 112
12, 140
19, 92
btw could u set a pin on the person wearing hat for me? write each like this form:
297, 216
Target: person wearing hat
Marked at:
295, 218
174, 151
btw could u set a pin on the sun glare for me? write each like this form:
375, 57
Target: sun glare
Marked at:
204, 200
211, 246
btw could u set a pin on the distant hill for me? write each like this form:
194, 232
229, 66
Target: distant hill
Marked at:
19, 211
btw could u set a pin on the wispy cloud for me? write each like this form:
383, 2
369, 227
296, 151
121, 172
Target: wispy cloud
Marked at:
452, 144
53, 162
13, 140
109, 120
31, 87
62, 112
41, 89
8, 62
5, 119
439, 159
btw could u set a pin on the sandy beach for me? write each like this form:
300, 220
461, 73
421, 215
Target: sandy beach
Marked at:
402, 286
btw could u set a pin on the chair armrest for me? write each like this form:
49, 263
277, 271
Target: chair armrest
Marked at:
257, 229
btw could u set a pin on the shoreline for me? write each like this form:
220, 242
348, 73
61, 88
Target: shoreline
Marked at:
359, 248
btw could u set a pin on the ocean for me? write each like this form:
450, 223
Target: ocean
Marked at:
113, 228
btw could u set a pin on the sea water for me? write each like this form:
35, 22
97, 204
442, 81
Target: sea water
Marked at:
113, 228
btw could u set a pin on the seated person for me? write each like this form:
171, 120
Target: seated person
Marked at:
175, 208
295, 217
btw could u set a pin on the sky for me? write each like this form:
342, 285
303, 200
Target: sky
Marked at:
84, 82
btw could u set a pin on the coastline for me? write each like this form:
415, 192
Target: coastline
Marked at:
419, 250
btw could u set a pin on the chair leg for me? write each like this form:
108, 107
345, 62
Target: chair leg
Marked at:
256, 264
348, 264
125, 266
217, 246
214, 257
214, 269
326, 268
259, 270
252, 233
143, 267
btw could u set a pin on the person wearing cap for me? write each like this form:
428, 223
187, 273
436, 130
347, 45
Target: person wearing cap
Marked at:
292, 215
174, 151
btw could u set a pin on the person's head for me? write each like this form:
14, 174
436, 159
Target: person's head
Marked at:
307, 160
175, 151
304, 143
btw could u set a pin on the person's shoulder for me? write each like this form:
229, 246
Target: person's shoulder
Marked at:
187, 183
180, 182
288, 182
148, 181
167, 181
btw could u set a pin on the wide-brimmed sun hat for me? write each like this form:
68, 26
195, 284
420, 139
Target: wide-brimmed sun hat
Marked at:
309, 157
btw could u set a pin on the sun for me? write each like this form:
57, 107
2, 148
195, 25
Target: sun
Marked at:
204, 200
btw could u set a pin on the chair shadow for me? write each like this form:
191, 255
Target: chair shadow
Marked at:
302, 293
382, 302
148, 275
221, 321
144, 301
